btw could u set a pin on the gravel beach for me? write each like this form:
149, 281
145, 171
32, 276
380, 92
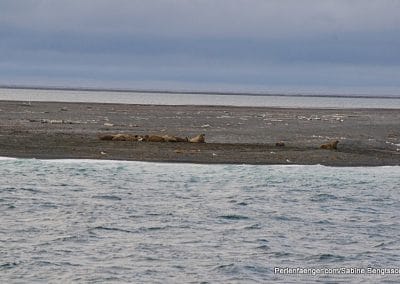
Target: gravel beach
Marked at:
244, 135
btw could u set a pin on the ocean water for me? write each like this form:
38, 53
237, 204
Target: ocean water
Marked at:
291, 101
135, 222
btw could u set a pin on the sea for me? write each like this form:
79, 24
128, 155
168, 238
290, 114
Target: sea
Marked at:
94, 221
285, 100
88, 221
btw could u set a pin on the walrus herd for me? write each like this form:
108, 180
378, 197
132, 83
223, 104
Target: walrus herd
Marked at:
152, 138
196, 139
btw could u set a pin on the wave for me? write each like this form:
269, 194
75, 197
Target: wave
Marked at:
178, 164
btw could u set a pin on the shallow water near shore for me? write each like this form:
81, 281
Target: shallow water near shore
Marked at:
113, 221
240, 100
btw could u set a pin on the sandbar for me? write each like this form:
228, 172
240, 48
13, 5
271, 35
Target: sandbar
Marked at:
234, 135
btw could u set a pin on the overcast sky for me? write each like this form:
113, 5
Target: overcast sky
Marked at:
254, 45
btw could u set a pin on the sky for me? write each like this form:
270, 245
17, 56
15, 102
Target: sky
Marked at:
210, 45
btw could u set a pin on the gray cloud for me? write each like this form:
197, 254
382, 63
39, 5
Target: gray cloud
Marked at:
249, 42
233, 18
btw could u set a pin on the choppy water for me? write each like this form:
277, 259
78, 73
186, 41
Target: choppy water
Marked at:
200, 99
108, 221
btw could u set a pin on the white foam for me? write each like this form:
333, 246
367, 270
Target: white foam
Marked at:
178, 164
7, 158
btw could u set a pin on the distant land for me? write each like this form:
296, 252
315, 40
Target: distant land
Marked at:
159, 91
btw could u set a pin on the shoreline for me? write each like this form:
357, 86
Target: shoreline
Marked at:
234, 135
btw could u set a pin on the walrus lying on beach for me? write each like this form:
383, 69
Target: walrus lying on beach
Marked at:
330, 146
153, 138
169, 138
120, 137
108, 137
125, 137
198, 139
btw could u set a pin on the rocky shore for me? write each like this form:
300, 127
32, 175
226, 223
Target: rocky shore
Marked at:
245, 135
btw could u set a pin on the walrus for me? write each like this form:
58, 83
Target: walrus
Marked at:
125, 137
180, 139
330, 146
120, 137
280, 144
169, 138
153, 138
198, 139
106, 137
